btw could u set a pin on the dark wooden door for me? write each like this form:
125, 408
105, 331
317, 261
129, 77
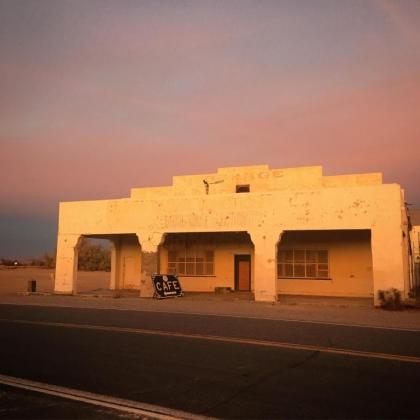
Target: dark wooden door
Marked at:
243, 272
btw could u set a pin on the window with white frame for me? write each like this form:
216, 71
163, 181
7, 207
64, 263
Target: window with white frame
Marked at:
303, 263
191, 262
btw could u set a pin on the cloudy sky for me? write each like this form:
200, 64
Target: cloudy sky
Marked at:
99, 96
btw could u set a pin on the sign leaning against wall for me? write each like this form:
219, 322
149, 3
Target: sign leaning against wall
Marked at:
166, 285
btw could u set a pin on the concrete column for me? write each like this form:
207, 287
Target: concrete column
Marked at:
265, 281
66, 264
149, 260
115, 252
387, 260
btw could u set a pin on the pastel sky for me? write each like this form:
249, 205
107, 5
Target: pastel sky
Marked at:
99, 96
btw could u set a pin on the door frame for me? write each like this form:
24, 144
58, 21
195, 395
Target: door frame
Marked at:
237, 259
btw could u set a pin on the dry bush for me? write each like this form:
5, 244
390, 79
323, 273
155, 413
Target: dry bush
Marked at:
390, 299
94, 257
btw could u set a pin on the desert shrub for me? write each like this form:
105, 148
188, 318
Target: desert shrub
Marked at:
93, 257
48, 260
390, 299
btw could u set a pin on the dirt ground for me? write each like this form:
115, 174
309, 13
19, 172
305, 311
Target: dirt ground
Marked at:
15, 280
345, 311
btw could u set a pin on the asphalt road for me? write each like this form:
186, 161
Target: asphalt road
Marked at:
17, 403
188, 370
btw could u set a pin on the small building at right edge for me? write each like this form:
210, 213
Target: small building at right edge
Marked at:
415, 251
267, 231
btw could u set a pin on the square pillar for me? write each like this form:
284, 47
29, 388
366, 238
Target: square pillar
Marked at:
66, 264
149, 261
387, 260
265, 271
115, 257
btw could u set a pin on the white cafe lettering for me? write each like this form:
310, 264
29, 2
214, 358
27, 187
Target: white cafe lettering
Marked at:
167, 285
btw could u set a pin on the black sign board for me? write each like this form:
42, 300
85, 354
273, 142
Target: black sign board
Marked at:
166, 285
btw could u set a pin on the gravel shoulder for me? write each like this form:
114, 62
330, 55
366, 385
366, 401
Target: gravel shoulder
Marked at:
324, 310
94, 294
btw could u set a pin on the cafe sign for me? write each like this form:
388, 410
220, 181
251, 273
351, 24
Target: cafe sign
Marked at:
166, 285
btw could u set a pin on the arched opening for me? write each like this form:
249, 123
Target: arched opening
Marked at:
108, 263
205, 261
93, 265
325, 263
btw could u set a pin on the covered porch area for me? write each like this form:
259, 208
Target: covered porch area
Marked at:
335, 263
208, 261
125, 268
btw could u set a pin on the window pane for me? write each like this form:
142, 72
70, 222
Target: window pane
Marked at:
199, 269
311, 256
190, 252
171, 270
311, 270
190, 261
323, 256
190, 269
288, 270
209, 268
299, 255
302, 263
181, 268
289, 255
299, 270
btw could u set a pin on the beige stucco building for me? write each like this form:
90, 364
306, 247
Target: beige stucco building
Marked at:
270, 231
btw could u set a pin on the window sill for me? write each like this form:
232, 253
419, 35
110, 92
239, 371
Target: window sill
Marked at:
304, 278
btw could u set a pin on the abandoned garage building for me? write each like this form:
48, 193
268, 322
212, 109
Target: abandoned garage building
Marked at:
268, 231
